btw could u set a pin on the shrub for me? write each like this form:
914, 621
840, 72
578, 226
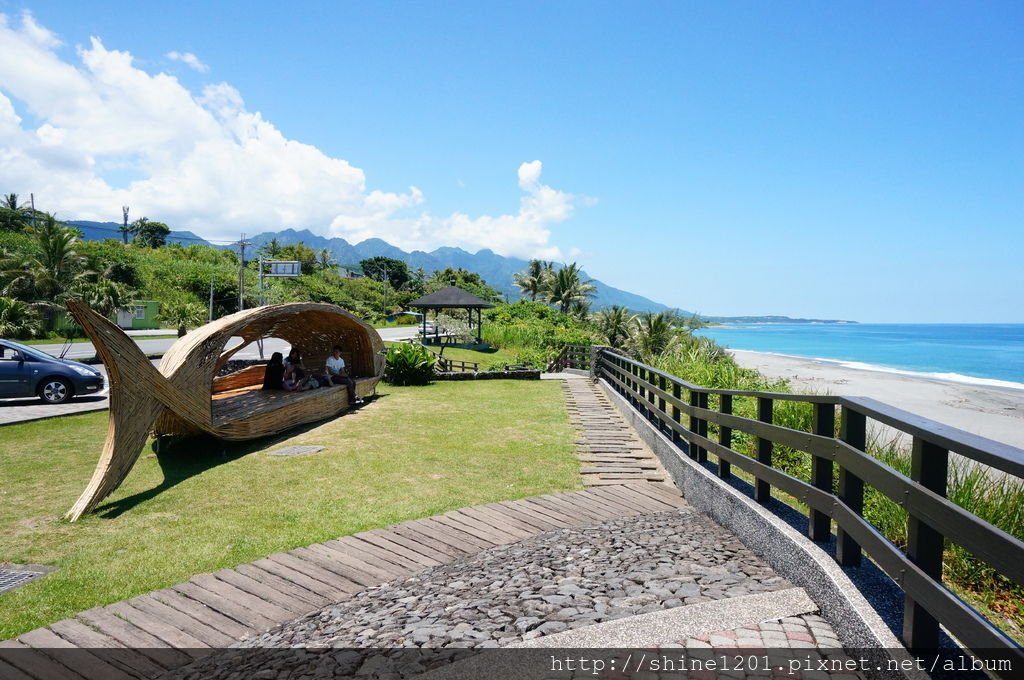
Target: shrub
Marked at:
18, 320
408, 364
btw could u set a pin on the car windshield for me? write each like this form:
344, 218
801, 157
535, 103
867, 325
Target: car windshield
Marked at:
29, 351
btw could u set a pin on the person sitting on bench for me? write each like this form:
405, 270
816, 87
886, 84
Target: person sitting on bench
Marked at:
336, 373
273, 379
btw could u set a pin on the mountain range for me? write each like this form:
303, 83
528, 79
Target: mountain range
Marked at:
496, 270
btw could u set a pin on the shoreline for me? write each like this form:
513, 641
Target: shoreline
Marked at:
995, 411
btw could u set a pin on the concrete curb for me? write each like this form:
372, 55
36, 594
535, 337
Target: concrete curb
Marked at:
672, 625
790, 553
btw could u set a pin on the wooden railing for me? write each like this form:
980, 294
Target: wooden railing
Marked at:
571, 356
664, 399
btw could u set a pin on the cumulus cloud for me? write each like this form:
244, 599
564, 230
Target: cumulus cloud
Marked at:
94, 131
189, 59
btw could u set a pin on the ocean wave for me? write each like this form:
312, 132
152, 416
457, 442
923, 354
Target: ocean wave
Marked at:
863, 366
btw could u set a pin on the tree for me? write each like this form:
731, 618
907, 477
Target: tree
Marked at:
52, 268
566, 286
105, 296
271, 249
12, 215
182, 313
18, 320
380, 268
615, 324
535, 279
654, 334
324, 261
302, 254
149, 234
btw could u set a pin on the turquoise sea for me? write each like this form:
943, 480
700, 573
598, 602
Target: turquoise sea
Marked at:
990, 354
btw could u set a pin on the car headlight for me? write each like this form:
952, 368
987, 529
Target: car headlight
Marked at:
87, 372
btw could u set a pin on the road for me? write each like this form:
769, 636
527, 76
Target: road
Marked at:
24, 410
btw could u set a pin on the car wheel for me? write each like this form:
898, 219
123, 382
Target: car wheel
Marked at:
55, 390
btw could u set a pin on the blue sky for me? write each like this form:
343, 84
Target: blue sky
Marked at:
809, 159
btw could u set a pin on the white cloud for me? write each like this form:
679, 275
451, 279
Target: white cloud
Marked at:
202, 161
189, 59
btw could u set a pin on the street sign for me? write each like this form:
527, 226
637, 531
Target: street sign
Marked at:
284, 268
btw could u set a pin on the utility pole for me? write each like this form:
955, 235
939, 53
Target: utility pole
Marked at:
241, 272
124, 229
32, 201
211, 297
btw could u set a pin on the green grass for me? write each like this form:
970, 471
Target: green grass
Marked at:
204, 506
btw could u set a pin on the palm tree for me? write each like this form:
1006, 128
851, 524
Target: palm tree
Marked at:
567, 285
105, 296
182, 313
324, 261
615, 323
53, 267
580, 309
534, 280
271, 249
653, 334
10, 202
18, 320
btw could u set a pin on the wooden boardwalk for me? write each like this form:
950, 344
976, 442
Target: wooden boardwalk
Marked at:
165, 629
610, 450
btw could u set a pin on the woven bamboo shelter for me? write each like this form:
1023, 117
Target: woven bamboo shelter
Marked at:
186, 396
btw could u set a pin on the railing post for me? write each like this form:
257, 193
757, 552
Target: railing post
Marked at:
677, 392
762, 489
725, 436
702, 426
819, 524
929, 465
853, 431
661, 403
694, 401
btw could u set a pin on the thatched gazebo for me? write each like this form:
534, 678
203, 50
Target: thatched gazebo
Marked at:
452, 297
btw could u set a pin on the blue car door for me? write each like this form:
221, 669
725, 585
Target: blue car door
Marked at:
14, 373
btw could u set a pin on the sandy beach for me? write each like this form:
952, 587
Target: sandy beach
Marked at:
993, 412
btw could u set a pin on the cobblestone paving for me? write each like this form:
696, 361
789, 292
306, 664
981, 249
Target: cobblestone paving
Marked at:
560, 580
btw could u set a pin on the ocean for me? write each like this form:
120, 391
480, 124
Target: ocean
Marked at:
990, 354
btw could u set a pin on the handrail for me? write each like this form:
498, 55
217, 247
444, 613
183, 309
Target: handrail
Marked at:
570, 356
932, 517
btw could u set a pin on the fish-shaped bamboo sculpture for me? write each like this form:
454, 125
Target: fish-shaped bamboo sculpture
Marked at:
185, 395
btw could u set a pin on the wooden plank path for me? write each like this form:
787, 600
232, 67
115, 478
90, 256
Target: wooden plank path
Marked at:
149, 634
610, 450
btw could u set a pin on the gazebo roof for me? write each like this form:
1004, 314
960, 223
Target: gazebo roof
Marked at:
451, 297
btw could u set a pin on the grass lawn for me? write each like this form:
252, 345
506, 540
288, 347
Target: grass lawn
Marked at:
203, 506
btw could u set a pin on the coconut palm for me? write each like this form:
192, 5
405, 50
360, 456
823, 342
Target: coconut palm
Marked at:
580, 309
182, 313
534, 280
18, 320
567, 285
654, 334
104, 296
324, 260
53, 268
615, 323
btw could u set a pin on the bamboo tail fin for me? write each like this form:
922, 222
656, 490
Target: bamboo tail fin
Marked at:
133, 405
